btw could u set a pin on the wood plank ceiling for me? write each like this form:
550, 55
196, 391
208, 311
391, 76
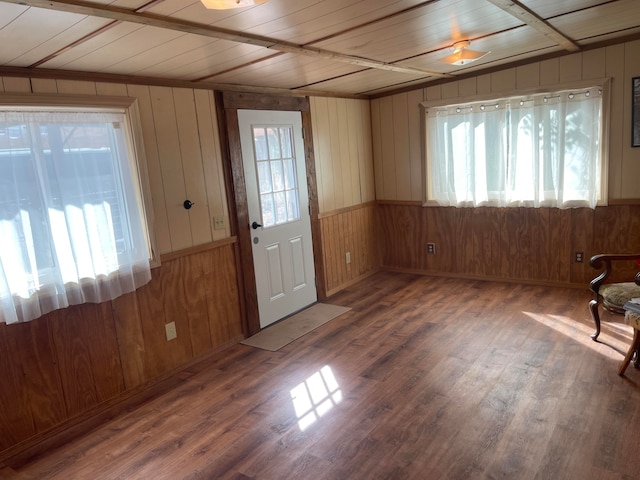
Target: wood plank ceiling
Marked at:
320, 47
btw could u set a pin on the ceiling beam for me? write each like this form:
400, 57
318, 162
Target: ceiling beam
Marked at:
529, 17
143, 18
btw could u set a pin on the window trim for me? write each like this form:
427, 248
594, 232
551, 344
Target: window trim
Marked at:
129, 107
604, 83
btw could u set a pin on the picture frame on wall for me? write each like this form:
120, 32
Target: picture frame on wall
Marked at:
635, 112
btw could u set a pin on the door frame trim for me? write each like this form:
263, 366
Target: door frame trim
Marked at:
230, 103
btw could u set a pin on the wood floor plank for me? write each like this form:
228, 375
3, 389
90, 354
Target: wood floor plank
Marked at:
425, 377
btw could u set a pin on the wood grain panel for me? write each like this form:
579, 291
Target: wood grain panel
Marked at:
33, 351
16, 421
376, 140
571, 68
322, 143
154, 168
528, 76
192, 165
388, 171
415, 125
127, 321
517, 244
76, 87
401, 144
352, 230
16, 84
173, 185
195, 294
89, 364
175, 309
71, 335
45, 85
335, 143
223, 300
550, 71
212, 160
365, 152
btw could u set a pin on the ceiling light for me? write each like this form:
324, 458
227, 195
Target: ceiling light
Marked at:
226, 4
461, 55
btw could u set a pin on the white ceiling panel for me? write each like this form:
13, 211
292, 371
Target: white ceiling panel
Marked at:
125, 41
9, 12
362, 83
618, 17
191, 56
552, 8
286, 71
59, 42
300, 22
21, 35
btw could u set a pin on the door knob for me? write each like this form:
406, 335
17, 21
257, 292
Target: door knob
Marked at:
255, 225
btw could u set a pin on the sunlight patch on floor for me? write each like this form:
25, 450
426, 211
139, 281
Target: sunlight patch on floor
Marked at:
314, 397
618, 335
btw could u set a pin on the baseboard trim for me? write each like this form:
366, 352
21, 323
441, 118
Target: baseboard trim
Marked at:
521, 281
353, 281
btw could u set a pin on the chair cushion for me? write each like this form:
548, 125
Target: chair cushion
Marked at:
633, 319
617, 294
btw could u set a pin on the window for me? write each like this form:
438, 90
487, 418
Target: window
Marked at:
73, 227
275, 163
540, 150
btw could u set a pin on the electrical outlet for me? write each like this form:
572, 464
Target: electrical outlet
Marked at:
579, 257
431, 248
348, 257
218, 222
170, 330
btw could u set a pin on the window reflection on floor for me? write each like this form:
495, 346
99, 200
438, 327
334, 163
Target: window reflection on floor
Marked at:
314, 397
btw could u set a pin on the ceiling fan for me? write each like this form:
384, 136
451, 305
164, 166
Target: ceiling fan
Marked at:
225, 4
462, 55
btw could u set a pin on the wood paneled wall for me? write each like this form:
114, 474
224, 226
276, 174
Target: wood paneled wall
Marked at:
72, 361
353, 230
182, 150
66, 363
397, 138
343, 152
517, 244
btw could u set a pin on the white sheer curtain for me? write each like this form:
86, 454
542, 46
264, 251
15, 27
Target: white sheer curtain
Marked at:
71, 229
542, 150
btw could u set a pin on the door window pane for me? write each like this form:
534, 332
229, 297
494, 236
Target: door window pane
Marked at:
260, 142
264, 177
275, 164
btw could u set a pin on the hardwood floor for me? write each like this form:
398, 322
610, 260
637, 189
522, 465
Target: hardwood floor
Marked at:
425, 378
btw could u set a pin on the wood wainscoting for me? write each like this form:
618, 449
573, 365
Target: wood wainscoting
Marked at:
61, 368
534, 245
354, 230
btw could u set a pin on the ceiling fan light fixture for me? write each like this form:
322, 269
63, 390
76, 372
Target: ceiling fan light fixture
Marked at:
461, 55
227, 4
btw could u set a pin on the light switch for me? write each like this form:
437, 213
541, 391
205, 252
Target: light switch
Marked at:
219, 222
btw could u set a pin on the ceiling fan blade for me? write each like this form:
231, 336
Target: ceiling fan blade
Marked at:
463, 57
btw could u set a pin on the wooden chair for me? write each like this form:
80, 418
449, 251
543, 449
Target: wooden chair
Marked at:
632, 319
613, 295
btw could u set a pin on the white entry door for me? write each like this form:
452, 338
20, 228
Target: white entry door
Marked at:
278, 204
